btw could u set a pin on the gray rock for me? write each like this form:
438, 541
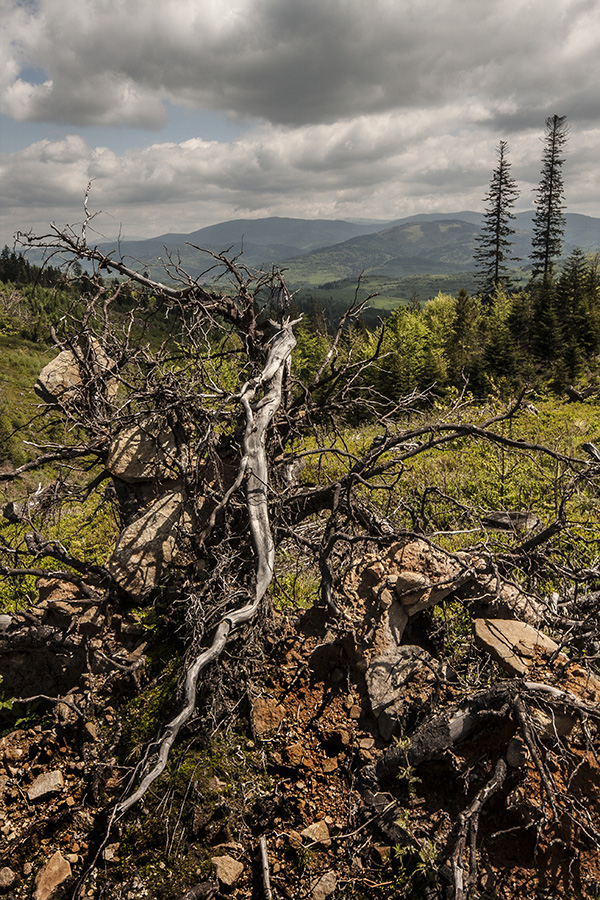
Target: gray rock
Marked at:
228, 869
53, 874
147, 545
554, 724
426, 575
387, 678
317, 833
510, 520
387, 675
325, 886
7, 878
145, 451
517, 753
61, 380
46, 783
515, 645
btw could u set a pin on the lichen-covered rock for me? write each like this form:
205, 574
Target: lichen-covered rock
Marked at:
148, 544
417, 574
144, 451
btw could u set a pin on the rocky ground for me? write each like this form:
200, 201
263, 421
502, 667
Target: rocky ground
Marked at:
364, 756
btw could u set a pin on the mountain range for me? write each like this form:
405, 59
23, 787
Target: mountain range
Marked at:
314, 251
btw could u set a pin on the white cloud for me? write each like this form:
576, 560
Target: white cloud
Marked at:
375, 109
375, 166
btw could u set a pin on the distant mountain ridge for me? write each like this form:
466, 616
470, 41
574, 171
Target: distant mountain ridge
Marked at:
427, 243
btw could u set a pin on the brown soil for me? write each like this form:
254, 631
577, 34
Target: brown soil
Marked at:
301, 755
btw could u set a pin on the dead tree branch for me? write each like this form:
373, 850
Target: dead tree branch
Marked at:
259, 414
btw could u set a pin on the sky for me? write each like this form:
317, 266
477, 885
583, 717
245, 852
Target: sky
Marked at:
185, 113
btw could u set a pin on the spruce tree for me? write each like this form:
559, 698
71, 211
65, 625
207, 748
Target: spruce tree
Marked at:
549, 218
493, 244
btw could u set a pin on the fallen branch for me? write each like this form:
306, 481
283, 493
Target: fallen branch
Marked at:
264, 860
468, 825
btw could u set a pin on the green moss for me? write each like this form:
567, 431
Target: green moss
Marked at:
189, 811
143, 716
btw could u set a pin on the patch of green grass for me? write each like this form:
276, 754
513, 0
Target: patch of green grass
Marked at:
87, 531
295, 584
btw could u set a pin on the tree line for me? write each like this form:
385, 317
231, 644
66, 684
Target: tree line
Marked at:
496, 341
546, 335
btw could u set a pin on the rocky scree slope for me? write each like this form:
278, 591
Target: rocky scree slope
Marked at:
356, 752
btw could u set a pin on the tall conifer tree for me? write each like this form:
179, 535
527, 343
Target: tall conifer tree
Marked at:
493, 244
549, 219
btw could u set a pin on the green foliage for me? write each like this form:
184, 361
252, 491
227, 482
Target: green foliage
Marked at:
6, 703
416, 868
312, 345
406, 774
20, 364
204, 797
143, 716
295, 588
16, 268
87, 530
334, 297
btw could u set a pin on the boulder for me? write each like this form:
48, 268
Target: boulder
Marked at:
510, 520
148, 545
491, 595
387, 679
416, 575
393, 619
144, 451
61, 380
425, 575
387, 675
516, 646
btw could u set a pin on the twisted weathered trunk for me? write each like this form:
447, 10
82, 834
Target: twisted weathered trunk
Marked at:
259, 415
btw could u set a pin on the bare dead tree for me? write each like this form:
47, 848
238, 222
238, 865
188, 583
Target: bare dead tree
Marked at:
212, 364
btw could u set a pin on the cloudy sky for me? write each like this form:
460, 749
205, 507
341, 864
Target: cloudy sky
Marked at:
183, 113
